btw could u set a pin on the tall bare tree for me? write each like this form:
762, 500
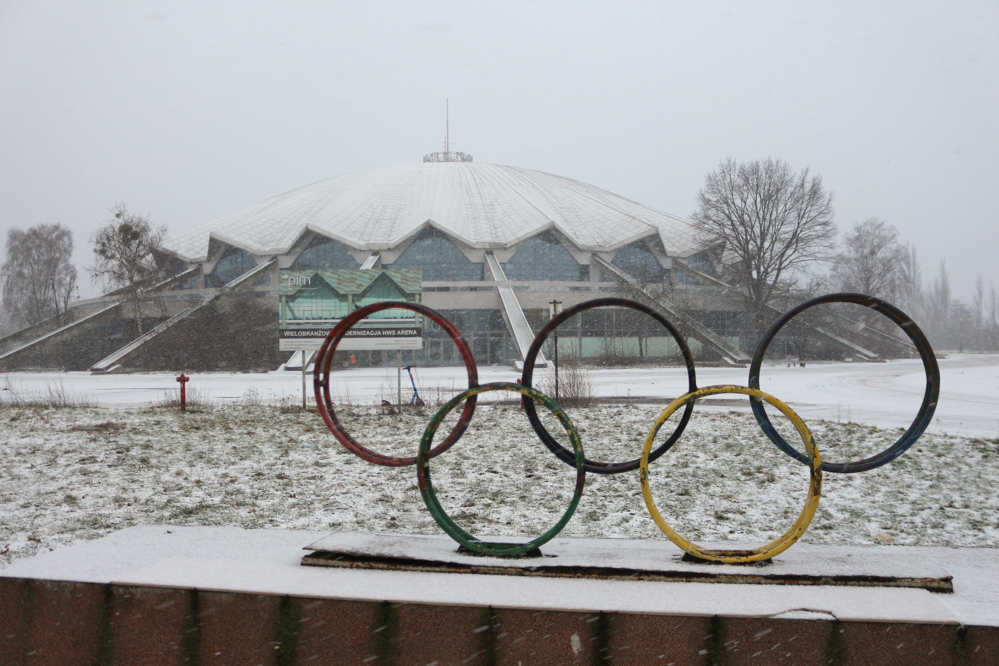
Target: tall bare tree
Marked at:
991, 323
985, 310
774, 221
978, 311
936, 309
872, 261
123, 254
38, 278
911, 283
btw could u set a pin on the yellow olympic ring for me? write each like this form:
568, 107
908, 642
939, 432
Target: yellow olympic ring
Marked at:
778, 545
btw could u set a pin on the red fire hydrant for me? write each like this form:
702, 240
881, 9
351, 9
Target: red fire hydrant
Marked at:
183, 391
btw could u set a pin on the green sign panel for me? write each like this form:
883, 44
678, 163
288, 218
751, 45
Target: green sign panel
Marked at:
313, 301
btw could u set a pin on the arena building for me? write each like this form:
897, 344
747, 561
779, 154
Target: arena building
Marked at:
495, 245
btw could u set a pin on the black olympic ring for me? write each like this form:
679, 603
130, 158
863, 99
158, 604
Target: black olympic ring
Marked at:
926, 409
553, 445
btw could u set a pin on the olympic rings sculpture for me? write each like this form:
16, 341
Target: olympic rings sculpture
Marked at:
576, 457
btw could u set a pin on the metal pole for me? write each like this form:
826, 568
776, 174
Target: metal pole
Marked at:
305, 367
555, 310
398, 359
307, 356
556, 364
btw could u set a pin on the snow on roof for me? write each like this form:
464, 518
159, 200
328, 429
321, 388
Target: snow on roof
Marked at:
483, 205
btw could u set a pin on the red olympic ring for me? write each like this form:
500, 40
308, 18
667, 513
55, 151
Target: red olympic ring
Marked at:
321, 382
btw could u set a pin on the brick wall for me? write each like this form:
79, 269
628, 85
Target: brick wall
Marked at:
71, 624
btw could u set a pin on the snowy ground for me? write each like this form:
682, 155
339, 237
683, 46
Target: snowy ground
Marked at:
252, 459
881, 394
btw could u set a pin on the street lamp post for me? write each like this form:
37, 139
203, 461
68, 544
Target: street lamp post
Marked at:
555, 309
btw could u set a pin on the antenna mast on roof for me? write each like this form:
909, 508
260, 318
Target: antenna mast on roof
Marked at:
447, 155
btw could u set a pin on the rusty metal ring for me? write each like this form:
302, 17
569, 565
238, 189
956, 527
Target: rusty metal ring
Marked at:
437, 511
321, 381
926, 409
553, 445
778, 545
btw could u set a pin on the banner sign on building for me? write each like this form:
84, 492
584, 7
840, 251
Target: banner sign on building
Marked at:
312, 302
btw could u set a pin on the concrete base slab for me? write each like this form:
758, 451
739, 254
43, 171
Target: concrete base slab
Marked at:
636, 560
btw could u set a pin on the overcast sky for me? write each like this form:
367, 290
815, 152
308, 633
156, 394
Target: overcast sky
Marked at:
189, 111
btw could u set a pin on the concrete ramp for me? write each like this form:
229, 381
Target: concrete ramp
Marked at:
866, 353
297, 359
34, 332
71, 328
698, 331
513, 314
860, 326
58, 333
111, 362
857, 325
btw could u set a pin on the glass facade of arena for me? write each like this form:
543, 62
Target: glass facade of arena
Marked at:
605, 336
324, 254
234, 262
639, 262
544, 259
610, 336
484, 330
439, 259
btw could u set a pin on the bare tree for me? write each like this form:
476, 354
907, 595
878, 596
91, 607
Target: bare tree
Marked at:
123, 250
960, 328
992, 320
978, 312
38, 278
774, 221
872, 262
911, 283
936, 309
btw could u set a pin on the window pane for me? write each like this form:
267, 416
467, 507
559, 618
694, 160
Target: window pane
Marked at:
544, 259
439, 258
325, 254
233, 263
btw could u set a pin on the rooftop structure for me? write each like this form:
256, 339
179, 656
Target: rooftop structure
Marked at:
485, 206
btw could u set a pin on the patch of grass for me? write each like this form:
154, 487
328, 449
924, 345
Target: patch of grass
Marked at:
54, 395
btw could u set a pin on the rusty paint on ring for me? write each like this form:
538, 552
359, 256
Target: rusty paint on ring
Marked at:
321, 383
778, 545
926, 409
437, 511
553, 445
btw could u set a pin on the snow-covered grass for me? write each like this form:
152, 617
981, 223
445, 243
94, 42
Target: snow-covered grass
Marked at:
886, 395
75, 473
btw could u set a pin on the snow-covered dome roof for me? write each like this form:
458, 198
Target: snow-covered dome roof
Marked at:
483, 205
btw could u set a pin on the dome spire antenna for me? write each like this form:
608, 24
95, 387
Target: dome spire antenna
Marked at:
447, 155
